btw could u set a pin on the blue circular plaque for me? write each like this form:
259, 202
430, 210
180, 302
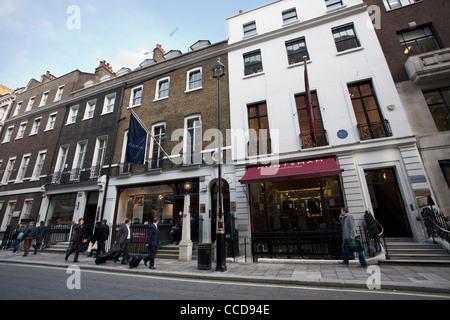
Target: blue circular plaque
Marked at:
342, 134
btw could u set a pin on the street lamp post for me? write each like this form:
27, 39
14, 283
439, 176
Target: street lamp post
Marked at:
218, 70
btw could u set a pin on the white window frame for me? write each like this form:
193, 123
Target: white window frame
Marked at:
22, 129
62, 158
8, 134
73, 114
109, 103
188, 80
8, 214
59, 93
158, 90
44, 98
36, 126
80, 155
153, 144
30, 104
38, 166
99, 155
132, 97
23, 168
50, 122
196, 156
90, 109
26, 208
8, 170
18, 107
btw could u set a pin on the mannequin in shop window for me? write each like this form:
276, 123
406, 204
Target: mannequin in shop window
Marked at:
130, 207
276, 214
313, 207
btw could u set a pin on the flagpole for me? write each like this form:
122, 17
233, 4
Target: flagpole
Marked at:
309, 105
151, 135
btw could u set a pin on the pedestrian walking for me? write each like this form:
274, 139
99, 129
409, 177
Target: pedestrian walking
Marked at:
93, 245
29, 236
152, 243
123, 238
41, 236
349, 232
102, 236
78, 238
18, 238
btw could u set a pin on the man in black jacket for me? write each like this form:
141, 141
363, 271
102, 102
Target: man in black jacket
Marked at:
123, 238
78, 238
152, 243
102, 236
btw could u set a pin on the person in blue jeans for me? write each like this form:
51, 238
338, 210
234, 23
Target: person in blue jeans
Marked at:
18, 238
349, 232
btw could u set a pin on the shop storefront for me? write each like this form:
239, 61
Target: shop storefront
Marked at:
294, 209
163, 200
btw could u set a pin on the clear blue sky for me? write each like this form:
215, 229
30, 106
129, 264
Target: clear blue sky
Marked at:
64, 35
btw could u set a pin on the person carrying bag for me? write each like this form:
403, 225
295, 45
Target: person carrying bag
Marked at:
351, 242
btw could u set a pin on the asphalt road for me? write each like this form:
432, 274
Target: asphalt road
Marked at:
28, 282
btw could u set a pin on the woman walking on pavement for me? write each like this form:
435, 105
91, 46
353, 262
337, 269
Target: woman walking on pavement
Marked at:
18, 238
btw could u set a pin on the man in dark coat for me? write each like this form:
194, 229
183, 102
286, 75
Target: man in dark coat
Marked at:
78, 238
123, 238
152, 243
102, 236
41, 235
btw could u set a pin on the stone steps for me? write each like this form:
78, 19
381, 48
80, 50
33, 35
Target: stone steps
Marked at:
407, 251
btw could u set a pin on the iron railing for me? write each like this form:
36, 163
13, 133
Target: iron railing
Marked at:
375, 130
437, 225
307, 142
74, 176
324, 244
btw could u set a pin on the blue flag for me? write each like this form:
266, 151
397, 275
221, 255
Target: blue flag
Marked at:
137, 142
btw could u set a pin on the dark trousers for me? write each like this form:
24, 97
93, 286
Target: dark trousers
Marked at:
100, 248
76, 247
151, 255
123, 250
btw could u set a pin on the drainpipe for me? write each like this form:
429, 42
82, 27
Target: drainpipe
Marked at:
111, 154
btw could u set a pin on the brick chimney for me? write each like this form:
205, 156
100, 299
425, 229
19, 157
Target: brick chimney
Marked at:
47, 77
104, 69
158, 53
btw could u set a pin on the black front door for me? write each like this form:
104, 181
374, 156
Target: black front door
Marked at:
387, 202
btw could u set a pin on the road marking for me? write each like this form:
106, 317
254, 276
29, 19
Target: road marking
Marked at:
232, 283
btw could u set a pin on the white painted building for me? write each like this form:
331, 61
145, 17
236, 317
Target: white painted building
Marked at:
359, 122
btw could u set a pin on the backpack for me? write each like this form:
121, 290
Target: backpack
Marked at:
20, 236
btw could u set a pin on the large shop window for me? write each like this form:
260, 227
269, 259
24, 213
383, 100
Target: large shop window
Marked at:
304, 205
61, 208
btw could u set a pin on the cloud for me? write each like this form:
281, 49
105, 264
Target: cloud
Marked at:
129, 59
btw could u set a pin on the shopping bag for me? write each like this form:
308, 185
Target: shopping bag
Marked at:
354, 245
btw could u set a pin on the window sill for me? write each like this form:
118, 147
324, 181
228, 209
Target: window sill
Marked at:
298, 64
192, 90
253, 75
349, 51
160, 99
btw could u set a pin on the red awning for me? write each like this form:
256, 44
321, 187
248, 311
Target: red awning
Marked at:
292, 171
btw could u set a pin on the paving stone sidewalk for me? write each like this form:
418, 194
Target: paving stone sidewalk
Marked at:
305, 273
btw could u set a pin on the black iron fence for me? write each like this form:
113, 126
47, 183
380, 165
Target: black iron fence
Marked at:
324, 244
437, 225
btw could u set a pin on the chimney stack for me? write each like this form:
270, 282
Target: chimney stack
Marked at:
47, 77
104, 69
158, 53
